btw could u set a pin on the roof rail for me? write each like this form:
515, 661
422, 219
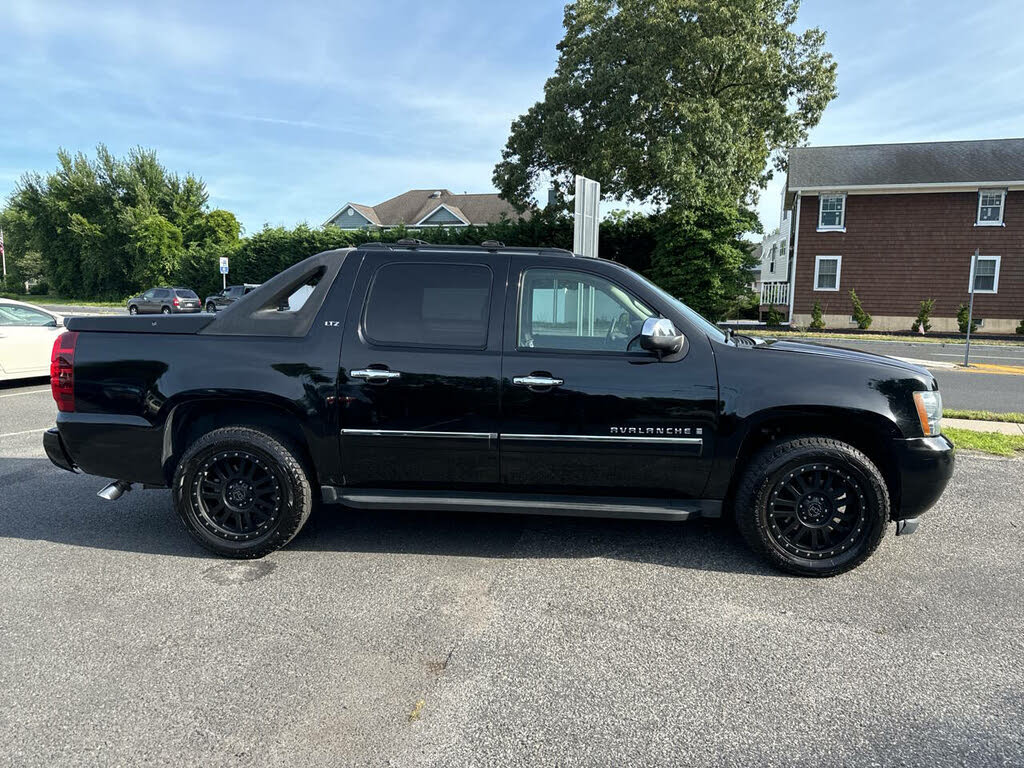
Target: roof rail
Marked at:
491, 246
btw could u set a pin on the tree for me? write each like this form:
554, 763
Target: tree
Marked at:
674, 102
109, 227
701, 258
817, 318
863, 318
924, 316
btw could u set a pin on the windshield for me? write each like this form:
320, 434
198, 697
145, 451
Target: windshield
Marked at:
708, 327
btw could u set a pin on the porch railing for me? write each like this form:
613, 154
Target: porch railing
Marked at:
775, 293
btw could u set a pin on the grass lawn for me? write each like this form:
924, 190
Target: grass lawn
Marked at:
989, 442
909, 338
55, 300
956, 413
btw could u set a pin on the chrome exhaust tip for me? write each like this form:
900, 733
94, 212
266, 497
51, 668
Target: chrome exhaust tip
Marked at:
114, 490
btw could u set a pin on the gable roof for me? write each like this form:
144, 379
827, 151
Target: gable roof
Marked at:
412, 207
951, 163
452, 209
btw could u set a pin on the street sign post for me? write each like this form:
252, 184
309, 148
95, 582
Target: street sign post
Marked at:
224, 271
588, 217
970, 312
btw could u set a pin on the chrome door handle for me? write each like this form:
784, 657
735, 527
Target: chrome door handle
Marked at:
537, 381
374, 374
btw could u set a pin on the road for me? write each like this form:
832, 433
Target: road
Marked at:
960, 389
428, 639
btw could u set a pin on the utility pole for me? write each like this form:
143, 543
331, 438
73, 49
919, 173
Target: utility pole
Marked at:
970, 312
3, 254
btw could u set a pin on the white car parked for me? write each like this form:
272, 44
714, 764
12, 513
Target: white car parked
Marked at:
27, 333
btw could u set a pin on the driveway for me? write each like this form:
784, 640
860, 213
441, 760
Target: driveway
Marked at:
462, 640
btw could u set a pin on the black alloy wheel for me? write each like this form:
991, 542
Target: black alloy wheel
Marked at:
816, 511
237, 495
242, 491
813, 506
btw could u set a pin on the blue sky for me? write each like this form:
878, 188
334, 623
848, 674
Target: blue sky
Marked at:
287, 112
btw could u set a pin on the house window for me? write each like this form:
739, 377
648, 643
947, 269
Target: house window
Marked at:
826, 272
832, 213
771, 261
990, 207
985, 278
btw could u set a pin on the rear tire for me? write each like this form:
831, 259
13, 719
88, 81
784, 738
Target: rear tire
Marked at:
812, 506
211, 307
165, 311
242, 492
133, 310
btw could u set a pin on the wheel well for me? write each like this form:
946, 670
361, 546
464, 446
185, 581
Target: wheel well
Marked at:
869, 434
190, 421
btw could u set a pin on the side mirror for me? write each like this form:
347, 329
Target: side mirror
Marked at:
661, 337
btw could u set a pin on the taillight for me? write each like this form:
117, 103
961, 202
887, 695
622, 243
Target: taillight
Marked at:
62, 371
176, 302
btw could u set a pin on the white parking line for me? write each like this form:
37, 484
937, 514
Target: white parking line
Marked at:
25, 432
31, 392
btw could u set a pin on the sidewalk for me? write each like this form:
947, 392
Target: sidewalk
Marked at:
976, 425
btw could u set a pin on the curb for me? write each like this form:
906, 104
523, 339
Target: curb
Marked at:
977, 425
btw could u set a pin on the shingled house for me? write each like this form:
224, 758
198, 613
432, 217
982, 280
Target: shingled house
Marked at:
420, 208
899, 223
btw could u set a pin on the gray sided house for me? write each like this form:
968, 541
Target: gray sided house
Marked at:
423, 208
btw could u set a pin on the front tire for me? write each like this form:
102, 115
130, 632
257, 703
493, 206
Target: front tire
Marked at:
812, 506
242, 492
211, 307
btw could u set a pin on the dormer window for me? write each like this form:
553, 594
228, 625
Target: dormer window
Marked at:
832, 213
990, 207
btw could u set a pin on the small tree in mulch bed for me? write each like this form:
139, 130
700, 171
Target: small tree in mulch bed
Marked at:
924, 316
962, 314
817, 319
773, 319
863, 318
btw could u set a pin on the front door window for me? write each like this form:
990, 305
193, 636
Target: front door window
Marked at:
569, 310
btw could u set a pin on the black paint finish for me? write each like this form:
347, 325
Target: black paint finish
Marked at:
621, 424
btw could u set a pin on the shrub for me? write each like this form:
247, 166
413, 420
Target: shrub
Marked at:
1020, 328
962, 314
863, 318
924, 316
39, 289
774, 318
817, 319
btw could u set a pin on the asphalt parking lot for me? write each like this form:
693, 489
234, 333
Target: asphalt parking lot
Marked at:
427, 639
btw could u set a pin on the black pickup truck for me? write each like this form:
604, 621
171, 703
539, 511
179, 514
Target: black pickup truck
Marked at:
495, 379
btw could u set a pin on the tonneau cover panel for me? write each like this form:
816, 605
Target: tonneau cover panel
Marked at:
183, 324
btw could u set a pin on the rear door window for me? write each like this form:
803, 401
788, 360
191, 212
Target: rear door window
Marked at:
429, 305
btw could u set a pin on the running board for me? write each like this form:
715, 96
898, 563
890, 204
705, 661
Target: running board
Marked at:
524, 504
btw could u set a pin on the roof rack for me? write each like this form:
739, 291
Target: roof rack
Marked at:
492, 246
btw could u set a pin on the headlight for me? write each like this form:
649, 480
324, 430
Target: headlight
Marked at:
929, 411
